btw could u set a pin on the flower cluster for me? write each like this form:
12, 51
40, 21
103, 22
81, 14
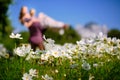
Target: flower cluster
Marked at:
82, 50
25, 51
98, 46
69, 61
85, 48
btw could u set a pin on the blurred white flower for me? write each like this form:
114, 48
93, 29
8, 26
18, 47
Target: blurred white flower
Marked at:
3, 52
73, 66
22, 50
2, 48
91, 77
81, 42
65, 75
61, 31
17, 36
86, 66
56, 53
26, 76
95, 65
19, 52
118, 57
50, 41
33, 72
49, 44
33, 55
46, 77
56, 71
101, 36
45, 56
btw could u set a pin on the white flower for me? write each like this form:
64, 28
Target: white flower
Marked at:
46, 77
86, 66
2, 48
33, 55
17, 36
49, 44
74, 66
33, 72
3, 52
56, 54
45, 56
56, 71
95, 65
101, 36
65, 75
81, 42
118, 57
26, 76
19, 52
50, 41
22, 50
61, 31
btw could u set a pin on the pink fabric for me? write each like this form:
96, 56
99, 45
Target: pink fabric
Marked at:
35, 33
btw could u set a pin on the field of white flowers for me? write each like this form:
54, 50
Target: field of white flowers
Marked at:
95, 58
